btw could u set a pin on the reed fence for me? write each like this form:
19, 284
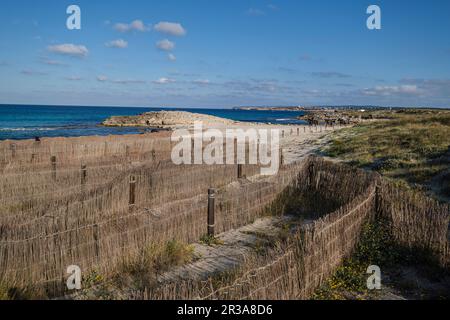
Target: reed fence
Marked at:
94, 216
46, 225
295, 269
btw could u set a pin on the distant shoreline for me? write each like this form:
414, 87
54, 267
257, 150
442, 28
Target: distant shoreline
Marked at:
254, 108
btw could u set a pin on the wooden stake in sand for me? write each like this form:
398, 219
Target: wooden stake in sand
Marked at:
132, 200
239, 171
211, 220
53, 161
83, 174
13, 150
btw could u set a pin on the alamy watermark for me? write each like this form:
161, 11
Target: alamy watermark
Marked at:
73, 22
374, 280
374, 20
74, 280
229, 146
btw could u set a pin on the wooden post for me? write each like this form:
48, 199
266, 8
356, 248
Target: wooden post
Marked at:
281, 157
83, 174
192, 150
33, 156
127, 151
132, 200
53, 161
239, 171
13, 150
304, 129
298, 131
211, 220
282, 133
96, 240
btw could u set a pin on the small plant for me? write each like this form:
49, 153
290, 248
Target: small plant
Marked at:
210, 240
92, 279
142, 268
376, 247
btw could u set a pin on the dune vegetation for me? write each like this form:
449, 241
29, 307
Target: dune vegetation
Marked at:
412, 147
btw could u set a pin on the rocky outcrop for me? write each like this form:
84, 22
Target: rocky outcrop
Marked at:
165, 119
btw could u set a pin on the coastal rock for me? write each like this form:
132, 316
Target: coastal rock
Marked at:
165, 119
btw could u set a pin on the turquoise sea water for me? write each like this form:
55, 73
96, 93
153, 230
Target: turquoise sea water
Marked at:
27, 121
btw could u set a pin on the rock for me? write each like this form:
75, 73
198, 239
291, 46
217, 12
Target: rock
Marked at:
165, 119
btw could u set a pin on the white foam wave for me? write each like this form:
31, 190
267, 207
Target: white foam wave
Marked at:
28, 129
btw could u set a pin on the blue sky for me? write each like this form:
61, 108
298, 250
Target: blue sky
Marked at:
225, 53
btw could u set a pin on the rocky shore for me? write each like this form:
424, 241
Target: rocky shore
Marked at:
165, 119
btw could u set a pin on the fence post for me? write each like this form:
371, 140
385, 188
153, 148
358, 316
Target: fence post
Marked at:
53, 161
83, 174
298, 131
239, 171
211, 220
192, 150
127, 151
13, 150
132, 200
281, 157
235, 152
32, 157
282, 133
96, 240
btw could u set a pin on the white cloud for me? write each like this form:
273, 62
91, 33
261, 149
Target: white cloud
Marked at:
172, 28
136, 25
202, 81
171, 57
69, 49
255, 12
102, 78
52, 62
165, 45
128, 81
30, 72
73, 78
391, 90
163, 81
119, 43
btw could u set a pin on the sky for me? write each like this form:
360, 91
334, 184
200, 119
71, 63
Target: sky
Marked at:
225, 53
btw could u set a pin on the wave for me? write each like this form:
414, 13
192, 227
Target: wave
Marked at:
286, 119
29, 129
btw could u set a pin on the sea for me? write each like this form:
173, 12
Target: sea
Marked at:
28, 121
